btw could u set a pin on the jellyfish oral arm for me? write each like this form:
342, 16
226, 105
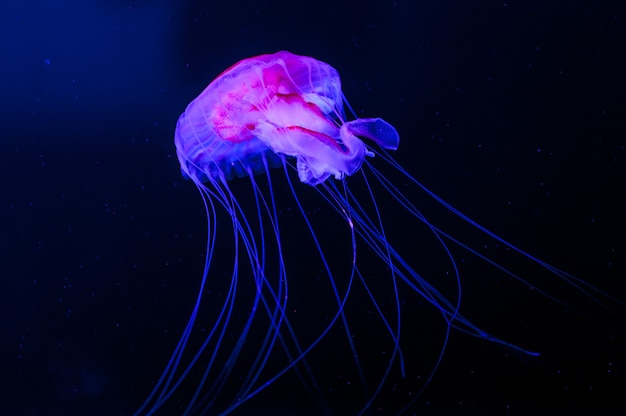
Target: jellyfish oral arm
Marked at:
318, 155
302, 130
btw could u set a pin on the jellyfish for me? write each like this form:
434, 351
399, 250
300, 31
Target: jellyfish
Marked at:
268, 144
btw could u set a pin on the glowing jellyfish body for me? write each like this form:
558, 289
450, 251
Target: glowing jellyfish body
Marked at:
279, 104
264, 112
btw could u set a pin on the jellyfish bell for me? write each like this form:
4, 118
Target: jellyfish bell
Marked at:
287, 111
280, 104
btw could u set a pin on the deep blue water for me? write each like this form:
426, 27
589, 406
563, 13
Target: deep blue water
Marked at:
513, 113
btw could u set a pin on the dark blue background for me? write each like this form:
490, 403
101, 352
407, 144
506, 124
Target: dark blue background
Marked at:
514, 112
